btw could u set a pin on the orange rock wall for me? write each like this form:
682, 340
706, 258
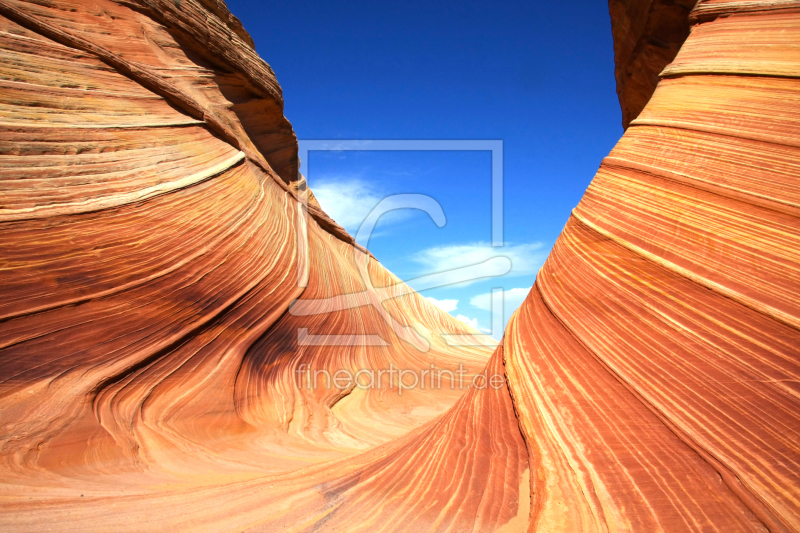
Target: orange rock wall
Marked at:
154, 235
655, 363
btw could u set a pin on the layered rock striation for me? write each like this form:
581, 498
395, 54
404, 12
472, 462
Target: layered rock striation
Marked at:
655, 362
170, 286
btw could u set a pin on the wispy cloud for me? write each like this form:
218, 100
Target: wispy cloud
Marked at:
525, 259
468, 321
347, 200
512, 299
474, 323
444, 305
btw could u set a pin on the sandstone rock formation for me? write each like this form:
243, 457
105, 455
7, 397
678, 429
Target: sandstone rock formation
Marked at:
647, 36
155, 232
655, 363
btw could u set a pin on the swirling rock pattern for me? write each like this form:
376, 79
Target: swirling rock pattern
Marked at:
170, 284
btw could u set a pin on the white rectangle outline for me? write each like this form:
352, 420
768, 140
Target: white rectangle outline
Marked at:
429, 145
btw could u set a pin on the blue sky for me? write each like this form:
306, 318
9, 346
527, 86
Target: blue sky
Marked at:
537, 75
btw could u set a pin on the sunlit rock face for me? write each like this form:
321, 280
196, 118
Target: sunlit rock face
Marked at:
655, 364
154, 233
170, 285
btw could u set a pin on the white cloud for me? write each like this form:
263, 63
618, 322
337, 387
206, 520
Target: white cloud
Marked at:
346, 200
512, 300
524, 259
468, 321
349, 200
444, 305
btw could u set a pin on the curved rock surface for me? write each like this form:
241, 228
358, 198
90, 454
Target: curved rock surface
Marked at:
171, 289
655, 363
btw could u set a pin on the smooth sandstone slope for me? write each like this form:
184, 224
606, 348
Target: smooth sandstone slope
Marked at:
152, 232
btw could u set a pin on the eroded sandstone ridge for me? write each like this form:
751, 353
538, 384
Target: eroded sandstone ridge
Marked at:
155, 230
